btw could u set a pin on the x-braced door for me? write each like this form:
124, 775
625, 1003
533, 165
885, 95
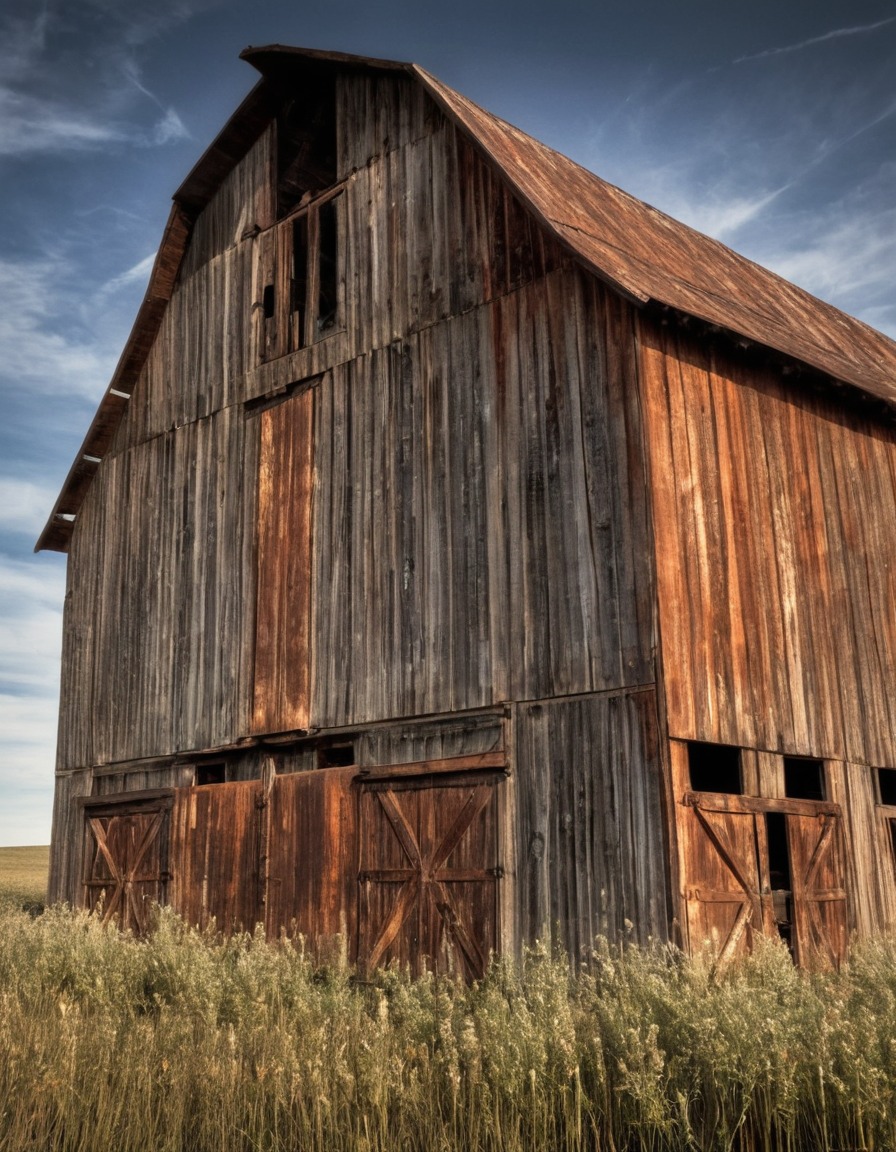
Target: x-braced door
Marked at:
821, 930
429, 873
765, 866
126, 858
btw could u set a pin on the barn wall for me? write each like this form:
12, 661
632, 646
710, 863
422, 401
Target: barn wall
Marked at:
161, 570
480, 521
773, 509
481, 471
478, 508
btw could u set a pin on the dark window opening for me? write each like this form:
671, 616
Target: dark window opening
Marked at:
892, 824
326, 266
299, 286
302, 305
336, 755
715, 768
306, 141
803, 778
214, 773
779, 875
886, 785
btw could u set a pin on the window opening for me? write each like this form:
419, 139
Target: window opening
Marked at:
803, 778
306, 141
715, 768
299, 286
779, 875
326, 266
886, 786
301, 306
892, 825
213, 773
336, 755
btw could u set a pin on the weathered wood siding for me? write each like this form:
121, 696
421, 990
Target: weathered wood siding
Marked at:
477, 464
592, 851
773, 511
480, 516
159, 623
465, 485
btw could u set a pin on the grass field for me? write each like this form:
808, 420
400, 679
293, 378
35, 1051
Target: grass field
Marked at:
183, 1043
23, 875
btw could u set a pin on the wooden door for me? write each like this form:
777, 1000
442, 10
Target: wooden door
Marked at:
126, 859
217, 838
429, 872
821, 929
738, 884
725, 895
312, 857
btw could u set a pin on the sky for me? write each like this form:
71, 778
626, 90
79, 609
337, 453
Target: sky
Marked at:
769, 125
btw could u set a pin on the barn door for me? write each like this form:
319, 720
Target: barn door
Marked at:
217, 836
819, 900
726, 903
429, 871
126, 859
767, 866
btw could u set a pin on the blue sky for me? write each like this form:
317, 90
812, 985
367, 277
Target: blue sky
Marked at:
771, 126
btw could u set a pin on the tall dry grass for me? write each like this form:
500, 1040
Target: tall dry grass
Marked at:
181, 1042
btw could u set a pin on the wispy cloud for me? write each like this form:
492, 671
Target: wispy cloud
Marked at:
168, 129
31, 596
29, 124
138, 274
835, 34
52, 100
170, 126
38, 351
844, 254
24, 506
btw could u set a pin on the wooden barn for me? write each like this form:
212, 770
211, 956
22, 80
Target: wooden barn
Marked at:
464, 552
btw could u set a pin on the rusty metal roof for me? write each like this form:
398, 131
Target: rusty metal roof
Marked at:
640, 251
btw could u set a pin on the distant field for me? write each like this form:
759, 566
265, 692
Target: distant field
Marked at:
23, 874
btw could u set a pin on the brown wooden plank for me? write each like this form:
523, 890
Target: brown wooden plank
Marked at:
478, 762
282, 631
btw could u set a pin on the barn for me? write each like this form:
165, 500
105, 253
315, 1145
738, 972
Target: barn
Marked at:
466, 553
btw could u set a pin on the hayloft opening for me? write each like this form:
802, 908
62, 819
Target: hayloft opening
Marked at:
804, 778
306, 142
886, 786
301, 304
715, 768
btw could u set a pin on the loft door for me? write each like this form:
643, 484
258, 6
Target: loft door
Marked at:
429, 872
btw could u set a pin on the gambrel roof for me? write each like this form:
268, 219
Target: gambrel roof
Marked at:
640, 251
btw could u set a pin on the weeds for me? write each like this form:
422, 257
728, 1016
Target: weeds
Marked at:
183, 1042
